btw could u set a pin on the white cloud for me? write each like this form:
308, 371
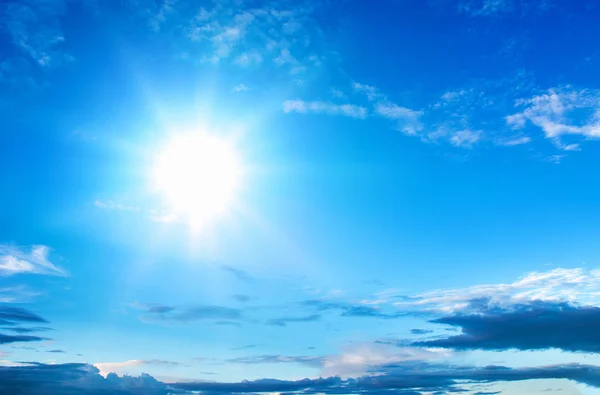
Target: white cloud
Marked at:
357, 359
112, 205
486, 7
129, 366
304, 107
557, 285
16, 294
240, 88
450, 97
248, 37
561, 112
247, 59
338, 94
14, 260
371, 92
465, 138
511, 142
157, 19
394, 111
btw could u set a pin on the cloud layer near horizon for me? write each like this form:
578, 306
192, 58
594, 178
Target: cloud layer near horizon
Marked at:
414, 379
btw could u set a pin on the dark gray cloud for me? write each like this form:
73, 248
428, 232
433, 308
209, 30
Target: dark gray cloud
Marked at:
18, 315
420, 331
5, 339
20, 329
535, 326
10, 319
56, 351
418, 378
287, 320
71, 379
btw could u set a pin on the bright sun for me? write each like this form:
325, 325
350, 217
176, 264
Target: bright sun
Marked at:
199, 175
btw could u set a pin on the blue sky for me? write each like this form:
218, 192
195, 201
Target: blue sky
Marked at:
415, 203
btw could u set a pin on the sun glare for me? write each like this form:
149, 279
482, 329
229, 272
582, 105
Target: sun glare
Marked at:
198, 175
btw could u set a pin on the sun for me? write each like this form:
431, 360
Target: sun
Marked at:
199, 176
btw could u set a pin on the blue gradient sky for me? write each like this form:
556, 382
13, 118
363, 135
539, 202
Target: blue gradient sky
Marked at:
404, 162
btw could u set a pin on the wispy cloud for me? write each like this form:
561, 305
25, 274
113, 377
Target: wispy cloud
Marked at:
247, 36
557, 285
12, 318
35, 29
283, 321
112, 205
187, 314
276, 359
15, 260
17, 294
408, 120
511, 142
490, 8
465, 138
559, 113
238, 273
241, 88
317, 107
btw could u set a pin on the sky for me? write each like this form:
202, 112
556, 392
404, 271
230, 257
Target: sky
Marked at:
299, 197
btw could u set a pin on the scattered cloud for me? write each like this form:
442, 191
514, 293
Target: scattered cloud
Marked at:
241, 88
533, 326
421, 331
18, 293
242, 298
240, 274
408, 119
276, 359
162, 313
14, 260
556, 285
246, 35
511, 142
489, 8
14, 315
371, 92
465, 138
247, 59
105, 368
363, 358
6, 339
246, 347
112, 205
287, 320
34, 29
561, 113
348, 309
404, 378
73, 378
318, 107
12, 319
407, 378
